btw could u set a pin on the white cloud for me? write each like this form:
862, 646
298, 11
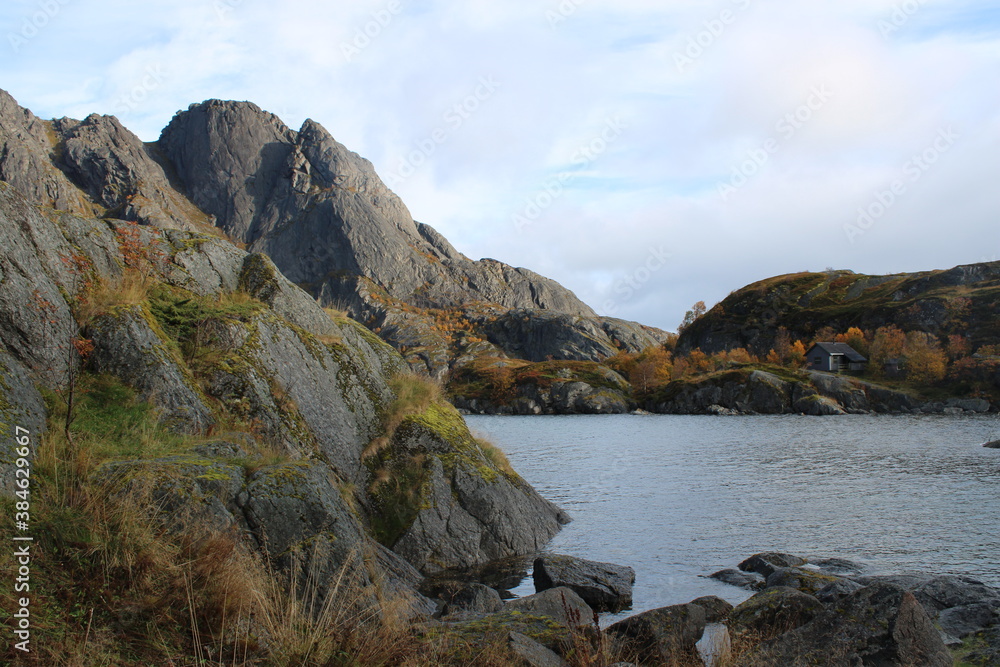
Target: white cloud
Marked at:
383, 76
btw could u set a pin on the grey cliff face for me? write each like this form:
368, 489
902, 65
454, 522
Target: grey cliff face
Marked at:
313, 388
316, 209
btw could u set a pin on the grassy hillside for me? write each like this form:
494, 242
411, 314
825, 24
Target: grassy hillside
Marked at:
960, 301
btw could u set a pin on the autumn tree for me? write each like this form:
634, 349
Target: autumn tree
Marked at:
825, 335
957, 347
797, 354
699, 362
738, 355
854, 337
651, 371
697, 310
887, 343
926, 362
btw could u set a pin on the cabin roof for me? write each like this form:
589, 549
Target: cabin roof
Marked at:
839, 349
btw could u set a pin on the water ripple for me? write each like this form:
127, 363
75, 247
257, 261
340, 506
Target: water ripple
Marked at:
677, 497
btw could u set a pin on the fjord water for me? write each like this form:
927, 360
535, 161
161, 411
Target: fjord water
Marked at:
680, 497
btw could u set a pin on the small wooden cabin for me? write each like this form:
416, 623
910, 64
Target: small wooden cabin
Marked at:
834, 358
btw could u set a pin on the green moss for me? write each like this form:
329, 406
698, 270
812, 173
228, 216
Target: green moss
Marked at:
402, 470
114, 422
400, 496
542, 629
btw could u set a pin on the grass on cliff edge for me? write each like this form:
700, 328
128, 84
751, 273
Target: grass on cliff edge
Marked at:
399, 478
111, 586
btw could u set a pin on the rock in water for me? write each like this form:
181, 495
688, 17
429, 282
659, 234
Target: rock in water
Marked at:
766, 563
748, 580
604, 586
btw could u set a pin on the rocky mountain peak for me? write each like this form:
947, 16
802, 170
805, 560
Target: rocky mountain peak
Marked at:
317, 209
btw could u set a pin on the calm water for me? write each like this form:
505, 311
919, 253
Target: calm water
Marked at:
677, 497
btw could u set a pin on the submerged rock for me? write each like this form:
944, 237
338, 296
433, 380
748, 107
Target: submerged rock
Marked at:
749, 580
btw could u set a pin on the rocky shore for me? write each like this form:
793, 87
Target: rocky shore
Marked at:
816, 611
735, 392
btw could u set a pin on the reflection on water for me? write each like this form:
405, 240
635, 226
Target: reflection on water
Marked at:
679, 497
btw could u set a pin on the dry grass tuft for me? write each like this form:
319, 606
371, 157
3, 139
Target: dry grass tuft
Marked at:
132, 287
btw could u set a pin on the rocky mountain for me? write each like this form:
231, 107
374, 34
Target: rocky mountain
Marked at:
964, 300
241, 362
319, 211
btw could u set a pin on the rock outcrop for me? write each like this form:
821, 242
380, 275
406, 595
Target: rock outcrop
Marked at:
319, 211
462, 510
212, 335
962, 300
757, 391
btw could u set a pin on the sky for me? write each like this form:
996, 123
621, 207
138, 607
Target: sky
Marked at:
647, 155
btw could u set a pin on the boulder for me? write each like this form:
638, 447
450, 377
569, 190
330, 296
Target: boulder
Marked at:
555, 618
800, 578
749, 580
533, 654
773, 612
836, 590
668, 635
473, 600
880, 624
766, 563
716, 609
560, 604
603, 586
964, 620
949, 591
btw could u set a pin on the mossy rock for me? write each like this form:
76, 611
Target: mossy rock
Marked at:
773, 612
